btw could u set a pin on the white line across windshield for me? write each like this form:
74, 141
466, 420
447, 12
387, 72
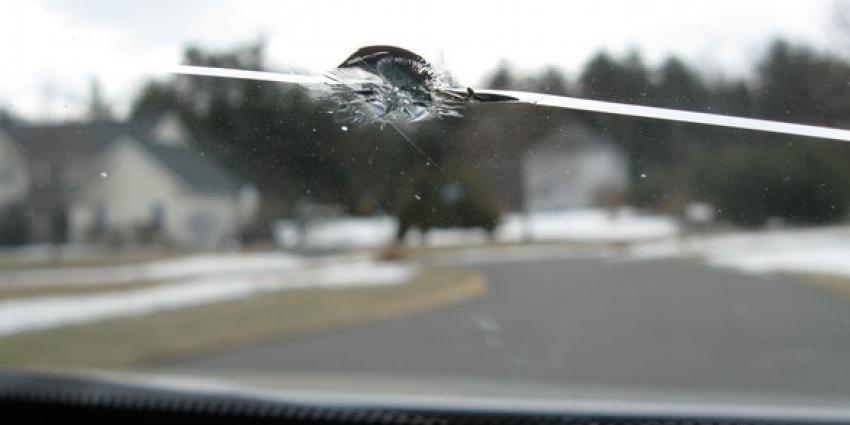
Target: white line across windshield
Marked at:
565, 102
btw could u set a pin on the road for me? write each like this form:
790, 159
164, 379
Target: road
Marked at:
589, 322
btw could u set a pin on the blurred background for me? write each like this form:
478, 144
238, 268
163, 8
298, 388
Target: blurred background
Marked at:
256, 161
115, 177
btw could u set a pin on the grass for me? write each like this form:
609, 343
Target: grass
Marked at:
426, 251
10, 292
837, 284
134, 341
9, 262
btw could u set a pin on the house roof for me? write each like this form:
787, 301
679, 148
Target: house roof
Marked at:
76, 142
194, 169
65, 140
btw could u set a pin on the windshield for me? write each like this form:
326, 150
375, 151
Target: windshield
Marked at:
399, 211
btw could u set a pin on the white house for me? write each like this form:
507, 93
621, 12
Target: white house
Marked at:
131, 183
573, 168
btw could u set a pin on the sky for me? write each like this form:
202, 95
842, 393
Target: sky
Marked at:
54, 49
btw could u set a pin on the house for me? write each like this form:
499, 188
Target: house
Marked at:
574, 168
136, 182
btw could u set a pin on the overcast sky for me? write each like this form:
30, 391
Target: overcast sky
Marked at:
53, 49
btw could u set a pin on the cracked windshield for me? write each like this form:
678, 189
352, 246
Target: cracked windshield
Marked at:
459, 200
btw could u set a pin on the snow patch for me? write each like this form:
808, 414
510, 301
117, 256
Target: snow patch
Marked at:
573, 225
824, 250
588, 225
178, 268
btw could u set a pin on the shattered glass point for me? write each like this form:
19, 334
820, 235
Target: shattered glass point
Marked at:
385, 84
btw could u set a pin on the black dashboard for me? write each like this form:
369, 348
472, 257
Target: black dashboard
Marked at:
59, 398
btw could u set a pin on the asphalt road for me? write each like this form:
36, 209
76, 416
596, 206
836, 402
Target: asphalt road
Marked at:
647, 324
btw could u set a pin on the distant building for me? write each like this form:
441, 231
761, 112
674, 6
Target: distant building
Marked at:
137, 182
574, 168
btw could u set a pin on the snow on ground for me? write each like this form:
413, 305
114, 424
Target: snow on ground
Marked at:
588, 225
571, 225
177, 268
824, 250
19, 315
345, 232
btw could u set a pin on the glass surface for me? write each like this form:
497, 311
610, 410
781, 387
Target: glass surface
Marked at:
266, 234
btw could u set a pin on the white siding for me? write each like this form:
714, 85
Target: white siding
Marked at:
127, 185
134, 184
249, 203
556, 180
206, 221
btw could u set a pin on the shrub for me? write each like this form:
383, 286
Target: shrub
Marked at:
432, 199
800, 183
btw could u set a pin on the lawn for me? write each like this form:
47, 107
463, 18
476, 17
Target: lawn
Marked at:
10, 292
836, 284
134, 341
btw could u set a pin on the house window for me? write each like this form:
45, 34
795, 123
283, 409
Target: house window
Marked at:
158, 215
6, 174
99, 218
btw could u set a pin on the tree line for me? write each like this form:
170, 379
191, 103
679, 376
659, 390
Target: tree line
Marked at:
286, 143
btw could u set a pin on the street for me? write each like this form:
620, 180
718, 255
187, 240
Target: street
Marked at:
668, 325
